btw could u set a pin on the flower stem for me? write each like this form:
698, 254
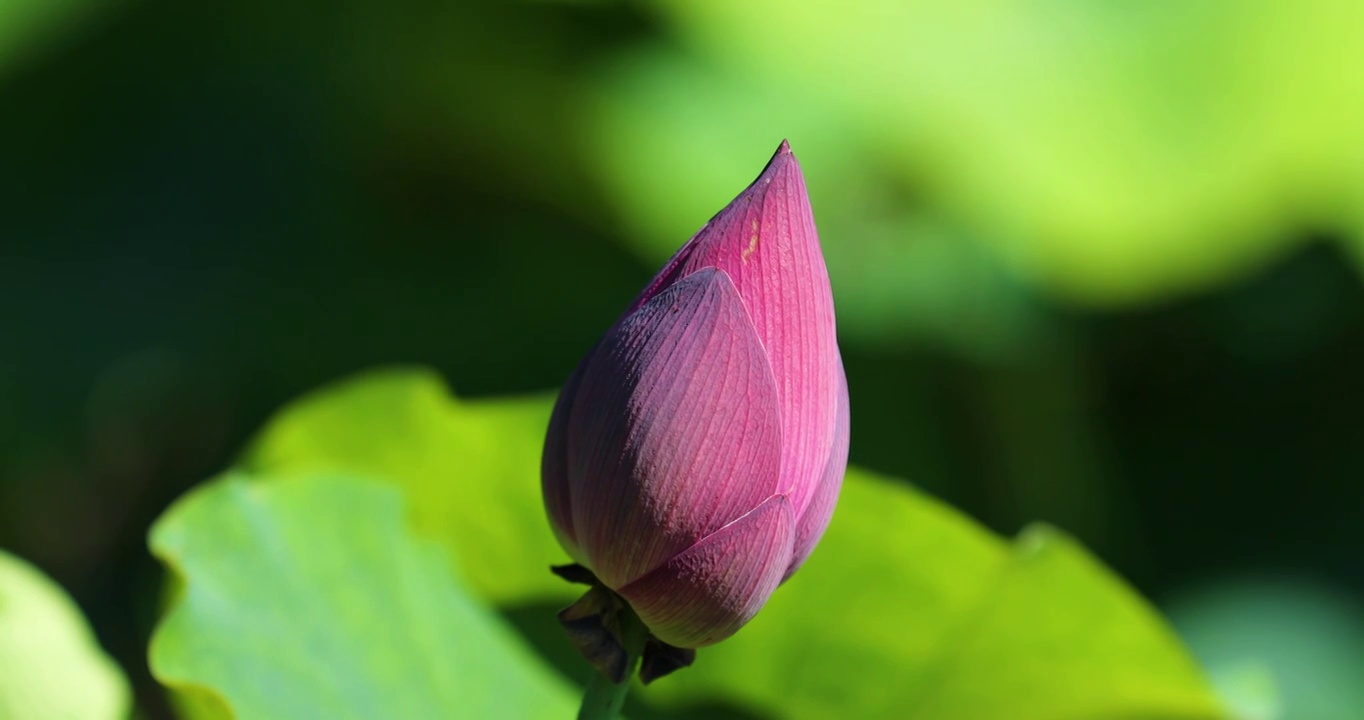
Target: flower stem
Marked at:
603, 699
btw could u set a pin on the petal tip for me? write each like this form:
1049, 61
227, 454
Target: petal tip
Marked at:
780, 159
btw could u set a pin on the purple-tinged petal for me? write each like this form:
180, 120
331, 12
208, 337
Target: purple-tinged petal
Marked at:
810, 526
554, 470
766, 241
708, 592
674, 429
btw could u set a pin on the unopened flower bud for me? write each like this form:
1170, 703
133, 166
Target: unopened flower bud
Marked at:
694, 458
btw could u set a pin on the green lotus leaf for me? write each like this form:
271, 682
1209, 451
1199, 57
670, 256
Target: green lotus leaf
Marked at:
907, 608
311, 598
51, 667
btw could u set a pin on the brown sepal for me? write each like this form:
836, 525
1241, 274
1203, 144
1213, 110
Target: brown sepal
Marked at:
660, 659
574, 573
593, 624
594, 629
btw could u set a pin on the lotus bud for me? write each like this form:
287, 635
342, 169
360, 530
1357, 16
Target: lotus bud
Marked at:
694, 458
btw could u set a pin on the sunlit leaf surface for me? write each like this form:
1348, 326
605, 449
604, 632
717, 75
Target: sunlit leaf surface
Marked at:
312, 599
51, 667
1109, 153
470, 469
907, 608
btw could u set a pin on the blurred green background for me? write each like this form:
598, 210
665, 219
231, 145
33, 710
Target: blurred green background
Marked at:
1097, 264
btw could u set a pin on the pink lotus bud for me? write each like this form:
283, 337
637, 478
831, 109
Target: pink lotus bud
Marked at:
694, 457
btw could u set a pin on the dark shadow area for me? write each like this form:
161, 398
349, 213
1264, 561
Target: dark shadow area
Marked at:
227, 235
1233, 420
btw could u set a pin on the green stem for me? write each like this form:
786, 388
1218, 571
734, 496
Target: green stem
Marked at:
603, 698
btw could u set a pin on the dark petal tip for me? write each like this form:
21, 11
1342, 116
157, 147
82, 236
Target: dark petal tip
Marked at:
661, 659
574, 573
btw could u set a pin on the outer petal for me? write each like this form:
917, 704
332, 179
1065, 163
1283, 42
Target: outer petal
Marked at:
707, 593
675, 429
811, 525
766, 241
554, 469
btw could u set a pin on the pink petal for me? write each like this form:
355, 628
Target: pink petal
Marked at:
766, 241
707, 593
554, 470
674, 430
811, 525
